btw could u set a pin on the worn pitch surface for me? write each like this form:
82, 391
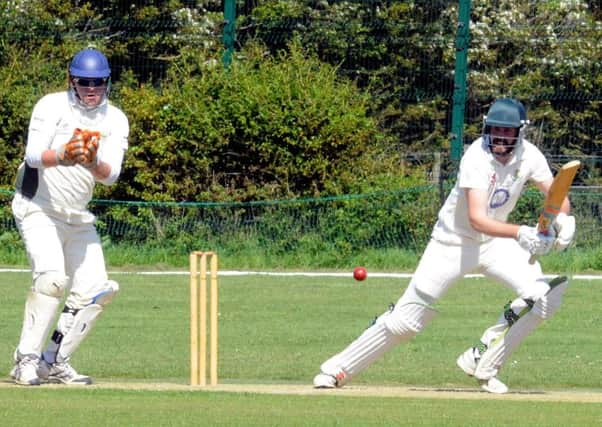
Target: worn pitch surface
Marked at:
350, 390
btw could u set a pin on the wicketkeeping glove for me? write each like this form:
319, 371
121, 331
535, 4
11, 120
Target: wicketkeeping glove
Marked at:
89, 158
564, 227
533, 241
68, 154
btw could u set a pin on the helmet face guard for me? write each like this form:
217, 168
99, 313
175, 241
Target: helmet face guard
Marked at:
501, 145
509, 118
90, 78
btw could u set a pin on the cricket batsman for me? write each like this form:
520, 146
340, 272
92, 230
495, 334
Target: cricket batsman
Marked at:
472, 235
75, 139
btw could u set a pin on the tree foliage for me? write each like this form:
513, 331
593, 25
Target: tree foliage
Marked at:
549, 55
323, 97
391, 48
277, 127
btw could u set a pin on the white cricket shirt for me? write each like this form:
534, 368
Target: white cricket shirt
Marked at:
504, 184
66, 190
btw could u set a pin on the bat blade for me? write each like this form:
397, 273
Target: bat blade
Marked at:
558, 191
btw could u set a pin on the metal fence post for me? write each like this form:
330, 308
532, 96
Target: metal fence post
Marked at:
229, 33
460, 77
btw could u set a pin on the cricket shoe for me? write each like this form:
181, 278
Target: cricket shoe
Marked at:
468, 362
61, 373
493, 385
25, 371
13, 371
324, 380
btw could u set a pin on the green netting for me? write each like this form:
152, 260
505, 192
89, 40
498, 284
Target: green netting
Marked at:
389, 220
395, 219
548, 54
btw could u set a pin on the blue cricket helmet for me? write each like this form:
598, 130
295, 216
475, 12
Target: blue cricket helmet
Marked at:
506, 113
90, 63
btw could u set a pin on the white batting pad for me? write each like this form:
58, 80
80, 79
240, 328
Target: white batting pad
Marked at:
361, 353
408, 319
38, 319
82, 324
499, 351
502, 342
546, 306
51, 284
519, 306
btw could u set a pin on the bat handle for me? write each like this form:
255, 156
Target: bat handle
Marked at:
532, 259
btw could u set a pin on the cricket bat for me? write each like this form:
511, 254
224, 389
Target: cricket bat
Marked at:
558, 191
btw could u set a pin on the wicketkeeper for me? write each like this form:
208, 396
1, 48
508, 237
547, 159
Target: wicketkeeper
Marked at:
472, 235
76, 138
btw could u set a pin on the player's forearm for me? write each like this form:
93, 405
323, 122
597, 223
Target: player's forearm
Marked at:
49, 158
494, 228
109, 167
101, 171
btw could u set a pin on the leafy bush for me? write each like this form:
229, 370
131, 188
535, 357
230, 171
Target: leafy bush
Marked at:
266, 128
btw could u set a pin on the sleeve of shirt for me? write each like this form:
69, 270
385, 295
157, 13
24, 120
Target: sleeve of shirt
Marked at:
541, 169
112, 151
42, 128
473, 172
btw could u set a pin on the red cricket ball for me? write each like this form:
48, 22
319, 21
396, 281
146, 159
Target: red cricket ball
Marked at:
359, 273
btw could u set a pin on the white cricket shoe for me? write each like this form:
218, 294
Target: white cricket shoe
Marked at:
493, 385
468, 362
25, 371
325, 381
62, 373
13, 371
336, 379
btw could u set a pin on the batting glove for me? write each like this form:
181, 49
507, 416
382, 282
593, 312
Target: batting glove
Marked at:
533, 241
564, 227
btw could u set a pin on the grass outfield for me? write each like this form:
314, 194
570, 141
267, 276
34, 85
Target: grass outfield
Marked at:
51, 407
274, 333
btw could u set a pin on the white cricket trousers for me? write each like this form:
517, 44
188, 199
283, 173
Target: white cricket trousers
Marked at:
73, 250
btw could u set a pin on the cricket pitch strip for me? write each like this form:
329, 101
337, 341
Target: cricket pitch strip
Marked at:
580, 396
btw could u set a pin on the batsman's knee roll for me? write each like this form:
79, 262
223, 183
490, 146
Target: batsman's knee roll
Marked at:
411, 314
